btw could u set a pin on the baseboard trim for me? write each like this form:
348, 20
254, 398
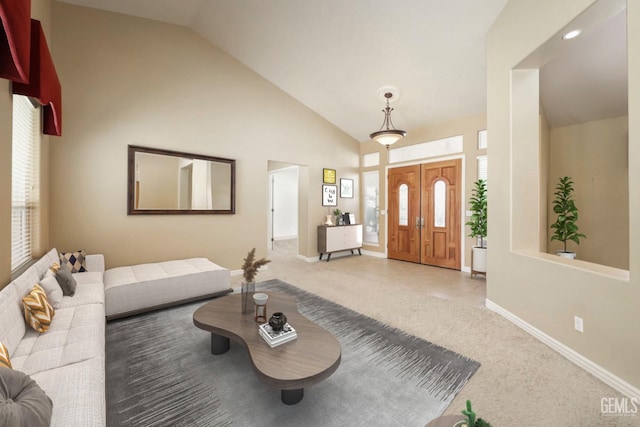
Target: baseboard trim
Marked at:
575, 357
291, 237
374, 254
466, 270
308, 259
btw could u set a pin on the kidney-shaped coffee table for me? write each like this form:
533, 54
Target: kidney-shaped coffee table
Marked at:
313, 356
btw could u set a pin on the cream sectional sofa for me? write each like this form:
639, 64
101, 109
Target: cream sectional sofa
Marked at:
144, 287
68, 360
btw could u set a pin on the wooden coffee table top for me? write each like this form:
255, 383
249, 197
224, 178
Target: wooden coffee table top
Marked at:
313, 356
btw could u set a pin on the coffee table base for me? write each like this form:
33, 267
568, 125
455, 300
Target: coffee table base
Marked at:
291, 397
219, 344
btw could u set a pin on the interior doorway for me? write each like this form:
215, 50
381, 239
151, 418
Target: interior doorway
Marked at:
425, 213
283, 208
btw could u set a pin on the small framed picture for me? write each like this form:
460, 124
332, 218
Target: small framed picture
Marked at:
352, 218
346, 188
329, 176
329, 195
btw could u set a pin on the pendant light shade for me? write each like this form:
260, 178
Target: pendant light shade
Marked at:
388, 134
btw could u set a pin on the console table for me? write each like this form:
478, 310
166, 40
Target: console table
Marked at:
336, 238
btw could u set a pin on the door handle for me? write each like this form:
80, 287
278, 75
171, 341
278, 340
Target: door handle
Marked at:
417, 223
421, 222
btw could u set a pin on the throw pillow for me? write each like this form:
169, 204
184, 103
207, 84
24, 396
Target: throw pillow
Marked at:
4, 356
22, 402
66, 280
54, 292
37, 310
54, 267
74, 260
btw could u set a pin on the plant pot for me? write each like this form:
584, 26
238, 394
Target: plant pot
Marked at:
247, 291
563, 254
479, 260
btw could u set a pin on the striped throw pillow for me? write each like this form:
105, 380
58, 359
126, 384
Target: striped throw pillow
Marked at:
38, 313
54, 267
4, 356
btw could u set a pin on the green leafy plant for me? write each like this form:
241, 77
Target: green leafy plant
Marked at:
470, 417
565, 227
250, 266
478, 204
337, 212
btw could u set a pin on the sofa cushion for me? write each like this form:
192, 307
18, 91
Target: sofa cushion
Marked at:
22, 401
76, 334
89, 293
78, 393
66, 280
74, 260
143, 286
24, 283
44, 263
5, 362
51, 286
12, 326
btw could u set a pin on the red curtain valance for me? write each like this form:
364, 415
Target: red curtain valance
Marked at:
43, 82
15, 39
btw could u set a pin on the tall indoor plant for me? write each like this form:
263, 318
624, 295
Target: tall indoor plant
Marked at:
565, 227
478, 226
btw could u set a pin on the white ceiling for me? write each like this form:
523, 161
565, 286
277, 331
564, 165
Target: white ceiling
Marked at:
334, 55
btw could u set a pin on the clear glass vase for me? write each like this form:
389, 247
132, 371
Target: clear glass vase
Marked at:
247, 290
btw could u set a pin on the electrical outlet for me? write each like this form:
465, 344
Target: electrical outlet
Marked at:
578, 323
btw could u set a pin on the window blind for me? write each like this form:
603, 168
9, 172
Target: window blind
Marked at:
482, 167
482, 139
24, 179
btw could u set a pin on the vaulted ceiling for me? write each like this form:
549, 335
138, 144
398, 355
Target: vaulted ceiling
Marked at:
334, 55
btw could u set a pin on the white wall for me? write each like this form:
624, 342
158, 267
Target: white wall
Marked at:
595, 155
285, 203
128, 80
543, 290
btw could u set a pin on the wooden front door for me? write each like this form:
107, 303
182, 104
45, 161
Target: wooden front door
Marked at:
440, 199
424, 213
404, 213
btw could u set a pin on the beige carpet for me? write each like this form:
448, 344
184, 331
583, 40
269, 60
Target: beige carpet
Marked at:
521, 381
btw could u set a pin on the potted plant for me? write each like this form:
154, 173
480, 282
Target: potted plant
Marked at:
470, 419
249, 271
338, 214
478, 226
565, 227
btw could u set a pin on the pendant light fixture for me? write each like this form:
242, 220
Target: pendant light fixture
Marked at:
388, 134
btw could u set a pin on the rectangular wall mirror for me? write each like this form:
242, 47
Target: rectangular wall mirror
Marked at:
163, 182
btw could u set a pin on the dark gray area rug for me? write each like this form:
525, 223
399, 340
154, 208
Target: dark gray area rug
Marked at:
160, 372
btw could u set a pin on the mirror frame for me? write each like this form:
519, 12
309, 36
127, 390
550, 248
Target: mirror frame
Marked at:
133, 149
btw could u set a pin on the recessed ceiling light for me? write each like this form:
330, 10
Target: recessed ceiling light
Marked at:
571, 34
